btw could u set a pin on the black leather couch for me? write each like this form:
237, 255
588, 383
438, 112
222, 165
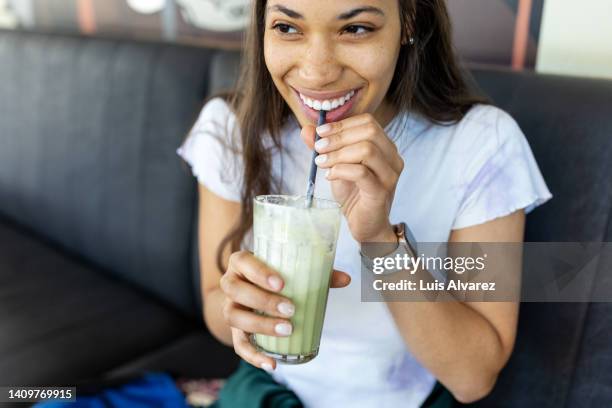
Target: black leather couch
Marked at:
98, 259
97, 250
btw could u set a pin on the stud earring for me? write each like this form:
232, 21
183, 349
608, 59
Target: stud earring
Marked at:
411, 40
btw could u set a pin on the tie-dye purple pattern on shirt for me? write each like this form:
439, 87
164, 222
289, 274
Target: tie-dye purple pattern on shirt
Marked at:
407, 373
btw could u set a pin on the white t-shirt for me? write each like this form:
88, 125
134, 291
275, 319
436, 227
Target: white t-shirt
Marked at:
454, 176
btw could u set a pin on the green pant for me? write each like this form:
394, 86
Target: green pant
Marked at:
251, 387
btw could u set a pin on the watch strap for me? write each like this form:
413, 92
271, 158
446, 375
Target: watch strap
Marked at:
406, 246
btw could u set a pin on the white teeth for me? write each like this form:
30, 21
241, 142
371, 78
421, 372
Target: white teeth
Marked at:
326, 104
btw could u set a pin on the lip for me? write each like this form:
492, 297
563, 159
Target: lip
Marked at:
324, 95
333, 115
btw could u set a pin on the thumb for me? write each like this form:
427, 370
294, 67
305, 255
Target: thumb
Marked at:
308, 135
340, 279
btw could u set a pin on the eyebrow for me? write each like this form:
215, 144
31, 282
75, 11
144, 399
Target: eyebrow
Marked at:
344, 16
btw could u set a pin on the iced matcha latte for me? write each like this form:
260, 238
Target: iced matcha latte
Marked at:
300, 243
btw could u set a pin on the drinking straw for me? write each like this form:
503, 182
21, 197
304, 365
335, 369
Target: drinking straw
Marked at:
313, 166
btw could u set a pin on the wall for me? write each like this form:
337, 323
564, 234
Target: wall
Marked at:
553, 36
576, 38
500, 32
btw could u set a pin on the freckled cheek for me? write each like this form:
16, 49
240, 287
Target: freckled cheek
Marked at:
279, 60
376, 70
374, 67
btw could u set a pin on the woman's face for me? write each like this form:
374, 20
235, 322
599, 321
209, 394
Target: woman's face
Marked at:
338, 55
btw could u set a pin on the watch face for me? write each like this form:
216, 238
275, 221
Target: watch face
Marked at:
400, 231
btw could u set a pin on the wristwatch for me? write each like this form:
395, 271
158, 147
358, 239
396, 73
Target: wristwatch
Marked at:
406, 245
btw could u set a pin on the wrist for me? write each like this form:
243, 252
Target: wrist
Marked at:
386, 236
404, 245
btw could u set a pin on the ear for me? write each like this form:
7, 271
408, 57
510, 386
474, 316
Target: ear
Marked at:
308, 136
406, 33
407, 19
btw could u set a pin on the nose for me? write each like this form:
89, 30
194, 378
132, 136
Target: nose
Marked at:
319, 65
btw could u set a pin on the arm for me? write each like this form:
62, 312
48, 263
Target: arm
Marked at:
465, 345
216, 216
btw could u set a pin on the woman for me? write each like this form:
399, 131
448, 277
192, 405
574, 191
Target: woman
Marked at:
414, 146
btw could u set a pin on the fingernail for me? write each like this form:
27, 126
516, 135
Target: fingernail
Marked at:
323, 128
267, 367
320, 159
327, 172
275, 282
321, 143
286, 308
284, 329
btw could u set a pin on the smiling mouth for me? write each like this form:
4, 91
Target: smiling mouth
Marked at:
327, 104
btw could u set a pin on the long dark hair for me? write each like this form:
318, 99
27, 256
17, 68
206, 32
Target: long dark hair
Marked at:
427, 81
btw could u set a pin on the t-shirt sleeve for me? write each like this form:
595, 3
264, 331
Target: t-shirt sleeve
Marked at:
211, 151
502, 175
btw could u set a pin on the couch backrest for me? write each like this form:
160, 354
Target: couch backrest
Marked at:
568, 123
88, 132
563, 356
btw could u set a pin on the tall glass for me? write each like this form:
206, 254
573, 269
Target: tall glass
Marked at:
299, 243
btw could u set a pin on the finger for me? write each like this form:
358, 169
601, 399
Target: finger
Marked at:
244, 348
249, 295
331, 128
365, 180
363, 133
245, 319
340, 279
308, 135
252, 269
365, 153
308, 131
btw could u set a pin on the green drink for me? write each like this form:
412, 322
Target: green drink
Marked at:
299, 243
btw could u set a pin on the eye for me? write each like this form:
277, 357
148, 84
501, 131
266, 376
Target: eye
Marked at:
353, 28
283, 28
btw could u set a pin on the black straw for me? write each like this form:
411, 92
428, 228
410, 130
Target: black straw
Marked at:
313, 167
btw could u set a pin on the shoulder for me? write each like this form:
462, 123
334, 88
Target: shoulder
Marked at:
211, 150
216, 112
487, 126
481, 121
212, 134
480, 133
486, 135
216, 128
487, 142
215, 106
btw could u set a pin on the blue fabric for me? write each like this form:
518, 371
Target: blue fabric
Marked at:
152, 390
